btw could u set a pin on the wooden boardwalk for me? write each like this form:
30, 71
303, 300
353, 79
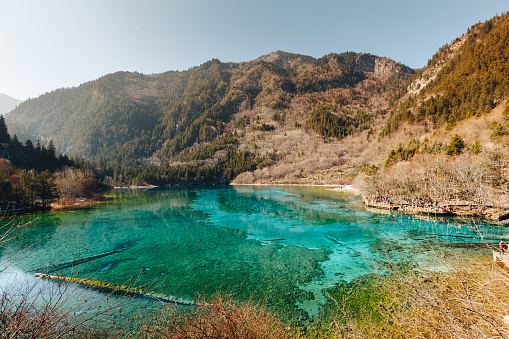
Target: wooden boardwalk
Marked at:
504, 257
452, 208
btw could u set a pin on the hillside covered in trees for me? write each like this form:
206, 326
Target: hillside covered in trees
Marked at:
466, 78
452, 127
34, 176
282, 118
211, 118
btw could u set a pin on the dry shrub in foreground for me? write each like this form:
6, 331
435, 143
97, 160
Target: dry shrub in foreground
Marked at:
37, 308
222, 317
43, 309
462, 303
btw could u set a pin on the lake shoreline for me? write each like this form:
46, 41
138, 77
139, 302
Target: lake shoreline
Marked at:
337, 188
463, 209
455, 209
78, 203
449, 208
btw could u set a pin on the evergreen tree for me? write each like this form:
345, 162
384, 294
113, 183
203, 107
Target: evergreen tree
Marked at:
456, 145
27, 179
15, 148
5, 138
29, 145
476, 147
5, 188
45, 188
51, 149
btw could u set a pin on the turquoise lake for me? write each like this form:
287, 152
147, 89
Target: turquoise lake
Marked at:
284, 245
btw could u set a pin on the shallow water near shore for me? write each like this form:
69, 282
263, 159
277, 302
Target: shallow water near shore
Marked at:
284, 245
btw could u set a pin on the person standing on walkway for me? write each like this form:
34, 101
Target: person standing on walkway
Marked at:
501, 246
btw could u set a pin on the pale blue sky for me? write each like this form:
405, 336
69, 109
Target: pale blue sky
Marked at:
49, 44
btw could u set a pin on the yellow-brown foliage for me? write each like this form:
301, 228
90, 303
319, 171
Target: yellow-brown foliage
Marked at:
461, 303
221, 317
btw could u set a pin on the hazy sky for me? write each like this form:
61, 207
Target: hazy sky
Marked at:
49, 44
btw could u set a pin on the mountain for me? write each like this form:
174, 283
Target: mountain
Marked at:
283, 117
7, 103
277, 108
466, 78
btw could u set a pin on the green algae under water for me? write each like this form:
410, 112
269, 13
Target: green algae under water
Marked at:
284, 245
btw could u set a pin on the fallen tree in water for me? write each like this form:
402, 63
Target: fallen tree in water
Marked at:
117, 289
73, 263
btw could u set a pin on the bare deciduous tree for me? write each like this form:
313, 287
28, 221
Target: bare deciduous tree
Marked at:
75, 183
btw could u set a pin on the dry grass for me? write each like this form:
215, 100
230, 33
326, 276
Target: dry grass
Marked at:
221, 317
462, 303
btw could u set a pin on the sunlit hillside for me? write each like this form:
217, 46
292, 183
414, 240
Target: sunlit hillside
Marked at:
282, 118
279, 108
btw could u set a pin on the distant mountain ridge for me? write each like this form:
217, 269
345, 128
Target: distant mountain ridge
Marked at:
8, 103
125, 117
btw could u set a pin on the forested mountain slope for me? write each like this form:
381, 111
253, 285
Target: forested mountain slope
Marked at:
282, 117
274, 107
448, 134
466, 78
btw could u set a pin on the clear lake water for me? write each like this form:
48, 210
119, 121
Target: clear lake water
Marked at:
282, 245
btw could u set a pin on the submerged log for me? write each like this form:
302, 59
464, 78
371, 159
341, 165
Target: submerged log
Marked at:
61, 266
